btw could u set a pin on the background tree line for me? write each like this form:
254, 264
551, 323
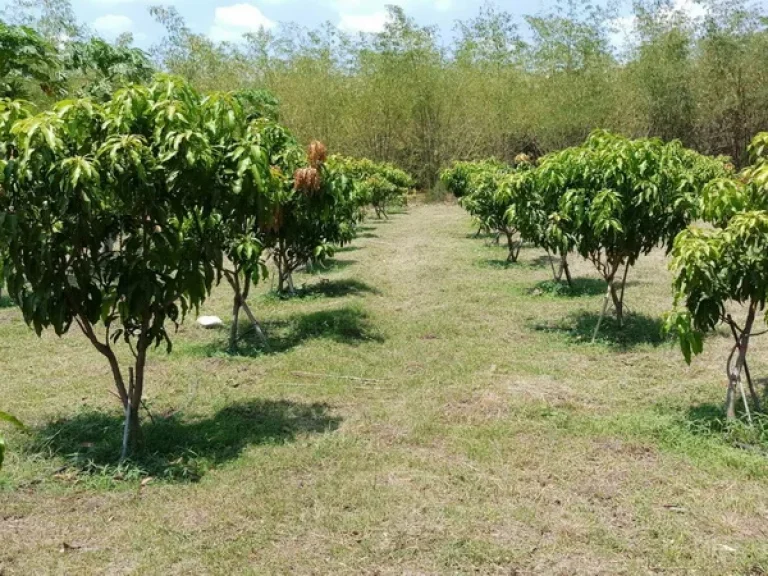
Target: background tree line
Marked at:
497, 85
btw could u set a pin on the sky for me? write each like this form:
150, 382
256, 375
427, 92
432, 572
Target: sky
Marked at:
230, 19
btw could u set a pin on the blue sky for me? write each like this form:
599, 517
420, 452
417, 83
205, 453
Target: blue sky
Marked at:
229, 19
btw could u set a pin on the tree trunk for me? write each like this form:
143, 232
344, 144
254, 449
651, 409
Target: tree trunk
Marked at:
617, 304
617, 295
289, 279
611, 294
602, 315
735, 369
555, 274
280, 272
752, 391
235, 329
514, 250
234, 332
134, 429
137, 389
255, 323
565, 268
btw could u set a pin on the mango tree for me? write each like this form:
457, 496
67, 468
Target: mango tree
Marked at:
458, 178
314, 211
723, 265
110, 225
379, 185
536, 216
622, 198
244, 182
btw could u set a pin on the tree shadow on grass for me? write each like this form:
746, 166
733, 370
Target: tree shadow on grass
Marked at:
481, 236
347, 248
542, 261
177, 448
367, 235
497, 263
349, 325
335, 289
333, 265
638, 330
581, 287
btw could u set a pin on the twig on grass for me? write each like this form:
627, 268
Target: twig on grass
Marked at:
337, 376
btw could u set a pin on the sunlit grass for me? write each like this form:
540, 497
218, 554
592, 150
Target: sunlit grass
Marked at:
415, 410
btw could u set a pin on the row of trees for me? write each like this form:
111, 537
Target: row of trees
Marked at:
613, 199
120, 217
610, 200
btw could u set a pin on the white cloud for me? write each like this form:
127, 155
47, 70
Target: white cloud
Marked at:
102, 3
371, 15
231, 22
624, 30
113, 24
363, 23
369, 7
691, 8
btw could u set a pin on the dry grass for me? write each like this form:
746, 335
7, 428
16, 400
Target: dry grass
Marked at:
491, 437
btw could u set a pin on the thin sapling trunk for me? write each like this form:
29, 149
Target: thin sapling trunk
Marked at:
241, 288
564, 268
513, 246
735, 367
752, 391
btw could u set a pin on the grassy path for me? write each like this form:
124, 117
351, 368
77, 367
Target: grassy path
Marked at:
424, 409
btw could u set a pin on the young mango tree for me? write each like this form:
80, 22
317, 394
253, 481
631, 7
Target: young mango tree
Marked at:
724, 265
458, 178
109, 221
536, 215
315, 202
622, 198
498, 197
380, 185
243, 187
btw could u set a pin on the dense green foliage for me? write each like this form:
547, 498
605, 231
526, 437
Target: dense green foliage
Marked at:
120, 217
108, 218
611, 200
622, 198
458, 179
26, 60
379, 185
45, 69
723, 264
96, 68
505, 84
